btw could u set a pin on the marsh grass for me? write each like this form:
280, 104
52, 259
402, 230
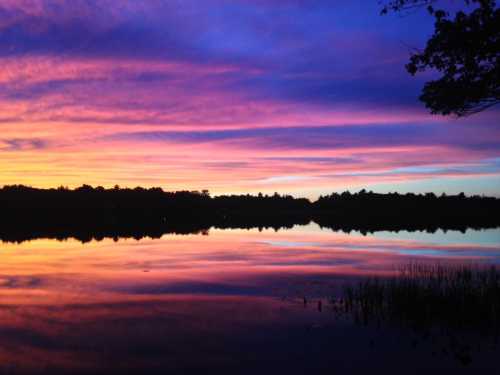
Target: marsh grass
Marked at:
425, 296
455, 307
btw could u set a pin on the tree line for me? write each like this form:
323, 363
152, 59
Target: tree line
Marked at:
87, 212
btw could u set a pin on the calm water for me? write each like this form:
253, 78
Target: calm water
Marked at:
231, 301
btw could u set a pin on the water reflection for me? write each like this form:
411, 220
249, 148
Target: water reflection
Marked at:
232, 301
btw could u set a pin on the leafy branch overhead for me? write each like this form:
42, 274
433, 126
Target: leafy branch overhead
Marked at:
465, 49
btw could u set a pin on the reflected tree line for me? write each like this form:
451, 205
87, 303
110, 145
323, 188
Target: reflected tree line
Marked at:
88, 213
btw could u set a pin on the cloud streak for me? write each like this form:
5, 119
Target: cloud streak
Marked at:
303, 95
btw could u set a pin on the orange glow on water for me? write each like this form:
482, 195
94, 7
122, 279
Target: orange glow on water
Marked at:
64, 302
227, 262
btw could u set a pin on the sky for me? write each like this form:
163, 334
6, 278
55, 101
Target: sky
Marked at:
303, 97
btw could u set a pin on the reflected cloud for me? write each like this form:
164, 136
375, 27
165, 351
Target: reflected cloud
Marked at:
245, 262
223, 294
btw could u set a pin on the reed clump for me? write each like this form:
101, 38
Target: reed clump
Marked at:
429, 296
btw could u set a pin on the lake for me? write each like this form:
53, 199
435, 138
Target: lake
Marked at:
226, 301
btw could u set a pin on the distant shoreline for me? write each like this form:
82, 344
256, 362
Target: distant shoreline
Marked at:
88, 213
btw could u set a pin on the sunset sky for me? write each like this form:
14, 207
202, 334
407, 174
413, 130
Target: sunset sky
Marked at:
234, 96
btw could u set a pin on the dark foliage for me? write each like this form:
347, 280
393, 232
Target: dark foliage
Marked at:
94, 213
369, 211
465, 49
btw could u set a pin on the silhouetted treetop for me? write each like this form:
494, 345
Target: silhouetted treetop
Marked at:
465, 50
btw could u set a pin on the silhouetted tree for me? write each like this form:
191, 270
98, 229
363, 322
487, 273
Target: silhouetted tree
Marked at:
465, 49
